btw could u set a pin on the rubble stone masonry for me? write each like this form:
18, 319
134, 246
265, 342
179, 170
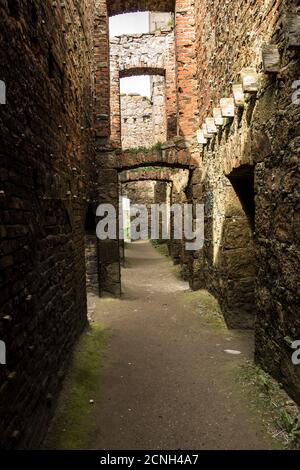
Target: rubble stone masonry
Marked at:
250, 178
117, 7
144, 120
45, 181
136, 127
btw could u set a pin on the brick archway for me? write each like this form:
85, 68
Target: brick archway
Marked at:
148, 174
132, 71
172, 155
117, 7
178, 177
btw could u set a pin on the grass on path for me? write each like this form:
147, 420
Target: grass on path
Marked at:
72, 428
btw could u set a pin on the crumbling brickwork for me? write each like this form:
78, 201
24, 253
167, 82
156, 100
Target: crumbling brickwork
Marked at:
160, 122
107, 177
172, 153
136, 127
143, 119
147, 54
46, 180
139, 192
61, 156
101, 72
187, 83
150, 173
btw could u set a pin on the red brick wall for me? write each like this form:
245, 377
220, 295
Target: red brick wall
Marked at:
187, 84
101, 72
46, 177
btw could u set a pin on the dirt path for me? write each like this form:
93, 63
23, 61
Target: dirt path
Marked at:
168, 382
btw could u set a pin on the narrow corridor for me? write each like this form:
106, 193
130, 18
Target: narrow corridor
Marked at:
117, 116
167, 381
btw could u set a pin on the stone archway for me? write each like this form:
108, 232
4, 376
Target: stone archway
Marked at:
117, 7
164, 186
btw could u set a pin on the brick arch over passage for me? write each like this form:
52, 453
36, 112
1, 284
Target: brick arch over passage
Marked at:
117, 7
172, 155
137, 71
178, 177
148, 174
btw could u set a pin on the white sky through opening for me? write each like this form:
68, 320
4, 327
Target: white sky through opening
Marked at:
139, 85
132, 23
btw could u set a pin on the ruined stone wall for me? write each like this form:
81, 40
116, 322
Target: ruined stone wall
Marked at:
143, 54
260, 144
186, 64
151, 173
159, 116
45, 181
144, 119
172, 153
137, 126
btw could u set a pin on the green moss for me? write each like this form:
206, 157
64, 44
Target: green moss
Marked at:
157, 146
206, 307
280, 414
146, 150
201, 302
162, 248
288, 340
143, 150
71, 427
177, 270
